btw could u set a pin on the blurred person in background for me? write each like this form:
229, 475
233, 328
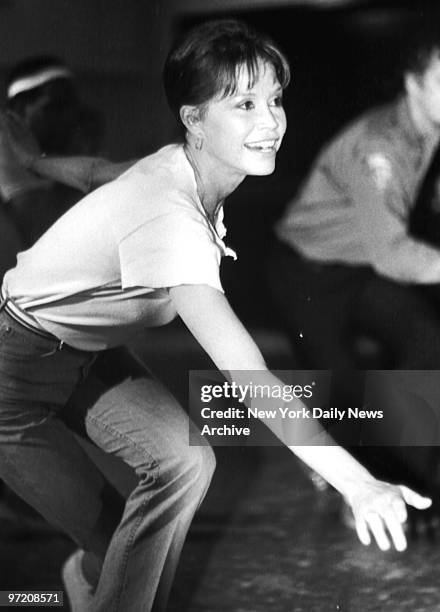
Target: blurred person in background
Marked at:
355, 260
42, 93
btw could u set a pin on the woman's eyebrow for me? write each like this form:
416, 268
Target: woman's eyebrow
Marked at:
251, 92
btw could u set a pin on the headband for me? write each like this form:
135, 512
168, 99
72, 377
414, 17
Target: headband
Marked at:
45, 75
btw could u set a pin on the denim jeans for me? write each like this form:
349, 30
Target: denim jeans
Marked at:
45, 391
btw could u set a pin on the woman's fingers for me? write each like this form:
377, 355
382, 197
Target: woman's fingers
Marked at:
383, 515
362, 530
382, 528
380, 511
376, 526
395, 529
399, 508
414, 499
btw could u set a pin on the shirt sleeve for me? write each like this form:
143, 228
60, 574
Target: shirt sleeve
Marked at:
382, 206
173, 248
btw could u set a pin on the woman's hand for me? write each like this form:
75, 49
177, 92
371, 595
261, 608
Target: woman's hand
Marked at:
379, 509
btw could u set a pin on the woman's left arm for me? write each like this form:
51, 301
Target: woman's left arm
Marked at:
378, 507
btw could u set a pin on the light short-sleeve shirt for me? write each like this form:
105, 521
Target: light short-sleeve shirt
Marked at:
102, 271
354, 206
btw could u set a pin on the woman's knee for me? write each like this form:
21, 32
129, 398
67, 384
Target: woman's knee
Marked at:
199, 463
207, 462
191, 467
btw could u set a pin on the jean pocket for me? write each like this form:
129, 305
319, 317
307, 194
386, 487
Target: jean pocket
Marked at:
20, 344
5, 331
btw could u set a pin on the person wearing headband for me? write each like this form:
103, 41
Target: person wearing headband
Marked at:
27, 80
34, 88
41, 93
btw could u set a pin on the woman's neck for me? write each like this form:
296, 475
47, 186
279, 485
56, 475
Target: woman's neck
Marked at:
214, 184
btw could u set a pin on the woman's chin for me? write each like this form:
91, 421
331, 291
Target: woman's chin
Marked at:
263, 171
262, 167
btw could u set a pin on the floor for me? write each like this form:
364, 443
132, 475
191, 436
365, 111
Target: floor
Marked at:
265, 540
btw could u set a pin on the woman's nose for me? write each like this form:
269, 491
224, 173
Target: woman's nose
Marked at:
268, 117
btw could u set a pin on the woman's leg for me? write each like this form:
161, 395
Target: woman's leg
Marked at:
136, 420
40, 458
139, 421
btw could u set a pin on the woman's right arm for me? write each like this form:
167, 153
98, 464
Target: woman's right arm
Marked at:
378, 507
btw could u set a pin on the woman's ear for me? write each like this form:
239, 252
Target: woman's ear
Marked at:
411, 82
190, 117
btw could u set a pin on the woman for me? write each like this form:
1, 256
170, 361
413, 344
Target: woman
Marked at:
136, 253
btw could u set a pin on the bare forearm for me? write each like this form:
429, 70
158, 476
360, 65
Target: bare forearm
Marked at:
304, 435
376, 505
336, 465
292, 422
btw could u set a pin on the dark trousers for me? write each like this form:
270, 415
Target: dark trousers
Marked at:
326, 308
46, 390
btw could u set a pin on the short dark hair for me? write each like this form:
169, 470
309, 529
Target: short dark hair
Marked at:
205, 62
422, 42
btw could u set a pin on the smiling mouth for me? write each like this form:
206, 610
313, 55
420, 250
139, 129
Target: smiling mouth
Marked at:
265, 146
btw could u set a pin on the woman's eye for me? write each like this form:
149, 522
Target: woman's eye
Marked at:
247, 105
278, 101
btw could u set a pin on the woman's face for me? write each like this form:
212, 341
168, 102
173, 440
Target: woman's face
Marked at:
243, 132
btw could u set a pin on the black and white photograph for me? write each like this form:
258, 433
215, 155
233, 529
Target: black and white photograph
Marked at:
220, 305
